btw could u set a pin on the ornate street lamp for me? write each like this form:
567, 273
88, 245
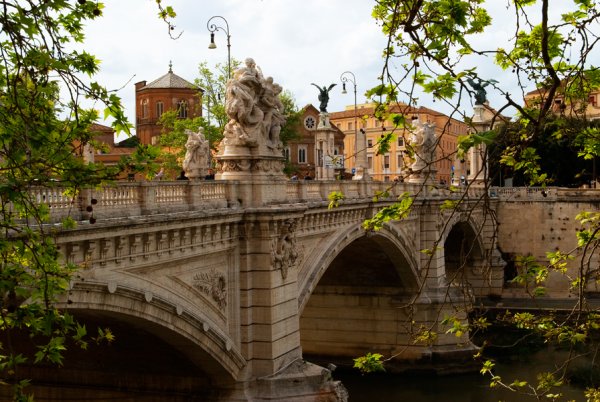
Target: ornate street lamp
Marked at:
212, 28
360, 165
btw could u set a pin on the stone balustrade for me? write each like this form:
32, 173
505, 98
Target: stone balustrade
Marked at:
543, 194
126, 199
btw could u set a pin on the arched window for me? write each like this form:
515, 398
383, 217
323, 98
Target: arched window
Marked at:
182, 109
302, 153
160, 108
145, 108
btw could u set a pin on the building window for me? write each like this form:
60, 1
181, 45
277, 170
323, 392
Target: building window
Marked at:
182, 109
160, 108
350, 125
400, 141
592, 100
376, 123
302, 154
400, 161
370, 162
286, 153
369, 143
386, 161
145, 108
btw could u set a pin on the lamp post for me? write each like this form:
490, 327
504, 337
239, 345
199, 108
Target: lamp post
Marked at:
360, 165
212, 28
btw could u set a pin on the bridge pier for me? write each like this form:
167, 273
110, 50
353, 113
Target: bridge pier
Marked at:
270, 316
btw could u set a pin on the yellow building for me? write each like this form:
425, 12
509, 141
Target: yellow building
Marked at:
392, 164
566, 105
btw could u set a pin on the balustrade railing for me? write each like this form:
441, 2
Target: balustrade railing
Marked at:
543, 194
126, 199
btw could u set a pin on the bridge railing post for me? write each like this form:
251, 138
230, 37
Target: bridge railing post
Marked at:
148, 198
83, 200
232, 193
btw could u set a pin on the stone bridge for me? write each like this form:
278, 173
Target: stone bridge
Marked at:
223, 288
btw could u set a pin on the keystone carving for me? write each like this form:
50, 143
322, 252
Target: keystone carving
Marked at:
285, 253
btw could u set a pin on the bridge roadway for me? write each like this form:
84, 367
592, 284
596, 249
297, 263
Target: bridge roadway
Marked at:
216, 290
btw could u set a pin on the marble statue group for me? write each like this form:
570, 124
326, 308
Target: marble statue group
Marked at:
254, 108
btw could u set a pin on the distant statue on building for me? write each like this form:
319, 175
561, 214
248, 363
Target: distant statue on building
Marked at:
323, 96
197, 148
479, 88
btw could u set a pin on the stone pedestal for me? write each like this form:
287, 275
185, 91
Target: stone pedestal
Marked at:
324, 149
482, 119
362, 167
260, 174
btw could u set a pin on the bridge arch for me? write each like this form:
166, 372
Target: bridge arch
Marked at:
464, 252
353, 300
187, 334
389, 240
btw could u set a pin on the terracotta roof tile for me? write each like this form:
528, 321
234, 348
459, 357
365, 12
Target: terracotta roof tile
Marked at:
170, 80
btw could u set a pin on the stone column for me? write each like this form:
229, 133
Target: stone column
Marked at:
324, 149
362, 168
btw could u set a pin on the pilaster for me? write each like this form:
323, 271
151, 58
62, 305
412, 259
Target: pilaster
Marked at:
269, 299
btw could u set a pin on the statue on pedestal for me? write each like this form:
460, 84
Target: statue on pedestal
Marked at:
423, 144
479, 88
323, 96
251, 148
195, 162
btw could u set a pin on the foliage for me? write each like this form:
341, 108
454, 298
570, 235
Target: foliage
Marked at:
291, 129
436, 52
335, 197
396, 211
44, 130
213, 82
561, 155
435, 46
369, 363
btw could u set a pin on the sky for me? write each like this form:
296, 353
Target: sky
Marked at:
295, 42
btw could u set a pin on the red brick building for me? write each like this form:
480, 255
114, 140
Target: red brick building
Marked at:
301, 154
169, 92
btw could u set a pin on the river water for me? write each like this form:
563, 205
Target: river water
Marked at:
472, 387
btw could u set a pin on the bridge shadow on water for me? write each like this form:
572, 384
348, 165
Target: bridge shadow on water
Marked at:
470, 387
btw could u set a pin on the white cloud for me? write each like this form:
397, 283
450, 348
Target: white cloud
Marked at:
296, 42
